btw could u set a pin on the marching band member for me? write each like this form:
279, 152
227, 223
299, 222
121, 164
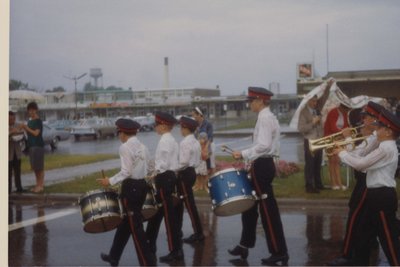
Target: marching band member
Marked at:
166, 163
265, 146
134, 165
379, 215
189, 158
356, 203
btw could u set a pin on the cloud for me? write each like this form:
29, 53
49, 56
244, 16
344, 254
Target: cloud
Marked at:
227, 43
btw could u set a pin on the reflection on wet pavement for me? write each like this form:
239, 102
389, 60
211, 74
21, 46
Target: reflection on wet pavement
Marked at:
314, 236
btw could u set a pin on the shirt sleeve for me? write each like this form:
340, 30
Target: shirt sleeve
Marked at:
184, 154
369, 162
125, 166
162, 157
263, 144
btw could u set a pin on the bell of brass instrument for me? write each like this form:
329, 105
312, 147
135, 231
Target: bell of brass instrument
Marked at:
330, 145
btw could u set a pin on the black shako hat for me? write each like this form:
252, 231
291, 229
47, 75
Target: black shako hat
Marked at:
127, 126
259, 92
388, 119
372, 109
188, 122
165, 118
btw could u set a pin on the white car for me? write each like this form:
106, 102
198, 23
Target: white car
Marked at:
95, 127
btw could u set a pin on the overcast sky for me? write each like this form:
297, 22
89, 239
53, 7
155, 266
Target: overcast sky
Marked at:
232, 43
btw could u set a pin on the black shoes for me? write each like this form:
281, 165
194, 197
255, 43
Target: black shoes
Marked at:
341, 261
172, 256
239, 251
107, 258
274, 259
194, 238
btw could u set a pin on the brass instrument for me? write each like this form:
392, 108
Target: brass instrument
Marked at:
330, 146
330, 141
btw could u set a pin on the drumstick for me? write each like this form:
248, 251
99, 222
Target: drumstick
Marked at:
227, 149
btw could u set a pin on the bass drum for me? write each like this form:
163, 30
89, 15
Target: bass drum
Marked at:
101, 211
231, 192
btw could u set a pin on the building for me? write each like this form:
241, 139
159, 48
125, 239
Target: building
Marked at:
176, 101
376, 83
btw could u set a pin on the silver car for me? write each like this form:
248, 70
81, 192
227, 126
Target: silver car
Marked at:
94, 127
52, 136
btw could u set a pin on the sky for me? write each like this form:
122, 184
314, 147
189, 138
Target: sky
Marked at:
227, 43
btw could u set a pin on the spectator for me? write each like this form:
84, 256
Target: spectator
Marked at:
336, 120
34, 129
15, 136
310, 125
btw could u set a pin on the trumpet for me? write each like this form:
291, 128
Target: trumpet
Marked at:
334, 137
330, 146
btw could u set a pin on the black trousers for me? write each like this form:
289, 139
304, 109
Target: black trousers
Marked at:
379, 219
14, 165
312, 167
262, 175
356, 204
186, 180
165, 186
133, 195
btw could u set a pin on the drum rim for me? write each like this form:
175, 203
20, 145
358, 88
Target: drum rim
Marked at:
96, 191
233, 199
227, 170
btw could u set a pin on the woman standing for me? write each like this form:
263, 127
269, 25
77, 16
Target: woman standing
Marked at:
34, 129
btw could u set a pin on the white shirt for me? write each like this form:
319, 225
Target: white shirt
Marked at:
380, 164
265, 137
365, 147
167, 153
134, 161
189, 152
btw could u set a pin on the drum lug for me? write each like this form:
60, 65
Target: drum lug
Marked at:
209, 184
226, 194
264, 196
213, 201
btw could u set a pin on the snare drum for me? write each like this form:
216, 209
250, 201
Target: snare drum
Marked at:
100, 210
150, 206
231, 192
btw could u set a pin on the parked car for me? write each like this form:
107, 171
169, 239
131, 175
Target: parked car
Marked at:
147, 123
52, 136
62, 124
95, 127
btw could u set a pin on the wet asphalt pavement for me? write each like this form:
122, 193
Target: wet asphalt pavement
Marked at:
50, 233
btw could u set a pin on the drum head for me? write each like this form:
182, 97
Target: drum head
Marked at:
234, 206
101, 225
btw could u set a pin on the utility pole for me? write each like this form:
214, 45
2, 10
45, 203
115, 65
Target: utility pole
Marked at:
75, 79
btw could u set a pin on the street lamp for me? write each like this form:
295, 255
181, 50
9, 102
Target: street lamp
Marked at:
75, 79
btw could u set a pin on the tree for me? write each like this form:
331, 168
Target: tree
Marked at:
56, 89
16, 85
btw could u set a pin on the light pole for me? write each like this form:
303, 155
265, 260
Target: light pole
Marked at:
75, 79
